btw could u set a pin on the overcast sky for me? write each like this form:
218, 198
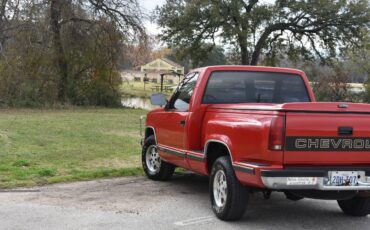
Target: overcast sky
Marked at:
148, 6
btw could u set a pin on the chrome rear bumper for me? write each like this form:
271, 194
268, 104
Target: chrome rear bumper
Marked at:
318, 179
280, 183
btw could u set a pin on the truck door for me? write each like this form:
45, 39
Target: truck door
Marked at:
171, 128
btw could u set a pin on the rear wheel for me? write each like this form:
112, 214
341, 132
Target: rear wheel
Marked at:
228, 197
357, 206
153, 166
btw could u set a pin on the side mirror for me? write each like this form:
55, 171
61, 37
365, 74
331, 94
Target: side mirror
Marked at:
158, 99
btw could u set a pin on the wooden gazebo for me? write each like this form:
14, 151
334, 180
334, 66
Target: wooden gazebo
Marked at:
162, 67
171, 74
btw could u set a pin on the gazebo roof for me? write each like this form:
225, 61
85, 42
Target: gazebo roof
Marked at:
163, 65
172, 62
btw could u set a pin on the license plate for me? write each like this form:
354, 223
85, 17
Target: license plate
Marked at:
346, 178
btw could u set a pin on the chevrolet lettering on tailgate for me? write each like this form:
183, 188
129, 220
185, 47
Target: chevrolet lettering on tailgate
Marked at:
327, 144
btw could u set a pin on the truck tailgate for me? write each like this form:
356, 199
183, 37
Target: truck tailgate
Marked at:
327, 138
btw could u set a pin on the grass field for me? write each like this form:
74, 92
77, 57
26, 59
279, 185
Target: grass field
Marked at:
48, 146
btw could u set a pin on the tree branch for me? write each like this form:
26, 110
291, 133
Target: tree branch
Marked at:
296, 28
262, 40
313, 44
117, 13
248, 7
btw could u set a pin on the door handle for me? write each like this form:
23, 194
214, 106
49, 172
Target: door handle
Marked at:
182, 123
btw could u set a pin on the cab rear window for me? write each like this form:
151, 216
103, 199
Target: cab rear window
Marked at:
230, 87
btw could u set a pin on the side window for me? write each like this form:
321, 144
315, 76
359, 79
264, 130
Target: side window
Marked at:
181, 98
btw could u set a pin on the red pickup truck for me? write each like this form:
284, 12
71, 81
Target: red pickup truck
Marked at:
260, 129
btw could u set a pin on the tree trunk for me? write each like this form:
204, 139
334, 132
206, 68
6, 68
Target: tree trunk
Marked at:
256, 54
258, 48
55, 15
242, 40
244, 55
262, 40
2, 16
255, 58
2, 10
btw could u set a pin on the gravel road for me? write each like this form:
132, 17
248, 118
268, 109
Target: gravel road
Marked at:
138, 203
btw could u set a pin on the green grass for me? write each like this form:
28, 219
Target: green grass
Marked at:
136, 89
47, 146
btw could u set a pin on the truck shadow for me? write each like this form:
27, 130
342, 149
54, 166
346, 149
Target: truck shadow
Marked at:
189, 183
277, 212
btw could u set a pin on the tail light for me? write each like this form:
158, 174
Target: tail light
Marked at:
277, 133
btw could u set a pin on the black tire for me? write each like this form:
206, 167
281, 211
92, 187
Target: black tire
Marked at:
164, 171
357, 206
237, 195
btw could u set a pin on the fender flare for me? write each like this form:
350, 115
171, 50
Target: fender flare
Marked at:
209, 141
150, 128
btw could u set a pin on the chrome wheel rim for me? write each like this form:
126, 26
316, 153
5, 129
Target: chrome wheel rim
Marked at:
220, 188
153, 160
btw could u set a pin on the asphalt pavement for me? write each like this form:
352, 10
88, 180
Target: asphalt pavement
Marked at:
139, 203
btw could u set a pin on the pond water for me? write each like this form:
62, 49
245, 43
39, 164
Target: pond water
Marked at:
137, 103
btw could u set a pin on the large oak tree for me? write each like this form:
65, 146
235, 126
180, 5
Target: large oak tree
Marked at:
303, 27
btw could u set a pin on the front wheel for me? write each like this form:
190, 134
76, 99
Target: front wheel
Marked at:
357, 206
153, 166
228, 197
